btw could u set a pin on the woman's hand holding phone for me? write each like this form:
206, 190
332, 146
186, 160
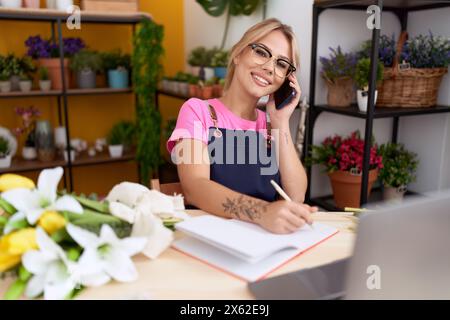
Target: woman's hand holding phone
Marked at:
279, 118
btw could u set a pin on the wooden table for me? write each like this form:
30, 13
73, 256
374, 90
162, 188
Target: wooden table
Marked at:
174, 275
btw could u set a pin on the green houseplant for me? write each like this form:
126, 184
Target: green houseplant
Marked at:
5, 75
86, 64
220, 62
362, 73
117, 66
147, 68
338, 71
120, 138
200, 60
5, 156
44, 79
399, 167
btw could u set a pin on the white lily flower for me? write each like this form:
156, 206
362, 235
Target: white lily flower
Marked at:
52, 271
33, 203
127, 193
106, 256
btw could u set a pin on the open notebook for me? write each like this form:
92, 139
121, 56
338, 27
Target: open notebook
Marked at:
245, 249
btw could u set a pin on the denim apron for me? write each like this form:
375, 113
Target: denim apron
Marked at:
243, 160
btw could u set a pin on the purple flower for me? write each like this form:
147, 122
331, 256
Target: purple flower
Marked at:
41, 48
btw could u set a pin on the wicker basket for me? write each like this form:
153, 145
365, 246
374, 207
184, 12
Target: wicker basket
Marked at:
411, 87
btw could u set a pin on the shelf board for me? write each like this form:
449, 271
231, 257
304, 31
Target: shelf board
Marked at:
376, 196
383, 112
70, 92
387, 4
86, 16
19, 165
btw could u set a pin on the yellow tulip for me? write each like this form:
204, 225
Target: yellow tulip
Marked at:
10, 181
13, 245
51, 221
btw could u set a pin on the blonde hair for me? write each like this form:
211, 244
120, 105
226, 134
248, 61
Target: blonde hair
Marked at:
256, 32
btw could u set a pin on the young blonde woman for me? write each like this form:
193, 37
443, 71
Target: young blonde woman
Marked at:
215, 142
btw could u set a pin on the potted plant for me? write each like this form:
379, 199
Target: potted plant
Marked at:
11, 3
5, 153
196, 59
218, 87
220, 62
25, 83
338, 71
32, 4
13, 66
362, 73
5, 84
343, 161
28, 118
117, 66
399, 167
86, 64
182, 83
47, 55
194, 88
121, 138
45, 83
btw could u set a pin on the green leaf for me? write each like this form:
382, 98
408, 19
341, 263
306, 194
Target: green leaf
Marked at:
24, 274
7, 207
19, 224
214, 8
3, 221
73, 254
61, 235
100, 206
16, 290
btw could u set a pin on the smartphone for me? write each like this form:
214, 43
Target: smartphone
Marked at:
284, 95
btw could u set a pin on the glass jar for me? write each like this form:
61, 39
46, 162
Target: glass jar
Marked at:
45, 143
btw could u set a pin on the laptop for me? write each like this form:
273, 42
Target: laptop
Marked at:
401, 252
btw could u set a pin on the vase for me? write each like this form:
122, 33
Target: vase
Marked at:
44, 141
362, 98
347, 187
5, 162
32, 4
63, 5
394, 194
340, 92
86, 79
54, 71
60, 137
115, 151
45, 85
118, 79
29, 153
220, 72
11, 3
25, 86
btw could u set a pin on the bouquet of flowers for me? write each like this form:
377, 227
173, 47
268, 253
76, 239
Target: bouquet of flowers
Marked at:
345, 154
56, 243
338, 65
29, 116
427, 51
386, 50
42, 48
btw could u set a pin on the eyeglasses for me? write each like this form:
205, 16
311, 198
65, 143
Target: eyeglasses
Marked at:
261, 55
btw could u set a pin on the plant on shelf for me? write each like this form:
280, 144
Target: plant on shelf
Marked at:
16, 67
86, 64
45, 83
122, 134
5, 156
147, 68
362, 74
343, 160
5, 75
386, 50
399, 167
338, 71
27, 129
54, 244
200, 60
220, 62
117, 66
48, 55
194, 88
427, 51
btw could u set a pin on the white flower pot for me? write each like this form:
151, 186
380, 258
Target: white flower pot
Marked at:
393, 194
51, 4
45, 85
195, 70
72, 156
115, 151
362, 97
209, 73
63, 4
29, 153
5, 162
5, 86
25, 86
11, 3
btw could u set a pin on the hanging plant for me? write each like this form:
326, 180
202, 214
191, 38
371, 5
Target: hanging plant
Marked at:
147, 69
216, 8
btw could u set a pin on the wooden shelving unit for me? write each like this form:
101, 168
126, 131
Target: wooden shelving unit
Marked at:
56, 20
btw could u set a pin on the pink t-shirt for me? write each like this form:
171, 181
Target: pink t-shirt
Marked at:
194, 121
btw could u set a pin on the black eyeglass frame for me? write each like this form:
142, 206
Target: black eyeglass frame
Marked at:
292, 68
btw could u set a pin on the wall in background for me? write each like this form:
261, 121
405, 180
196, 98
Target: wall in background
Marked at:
348, 29
92, 116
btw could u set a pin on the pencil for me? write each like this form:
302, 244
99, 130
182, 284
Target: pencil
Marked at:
284, 195
349, 209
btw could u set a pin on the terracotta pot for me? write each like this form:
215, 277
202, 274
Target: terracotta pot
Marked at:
217, 90
207, 92
54, 71
340, 92
33, 4
347, 187
194, 90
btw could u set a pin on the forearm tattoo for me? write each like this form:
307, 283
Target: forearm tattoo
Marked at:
244, 207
